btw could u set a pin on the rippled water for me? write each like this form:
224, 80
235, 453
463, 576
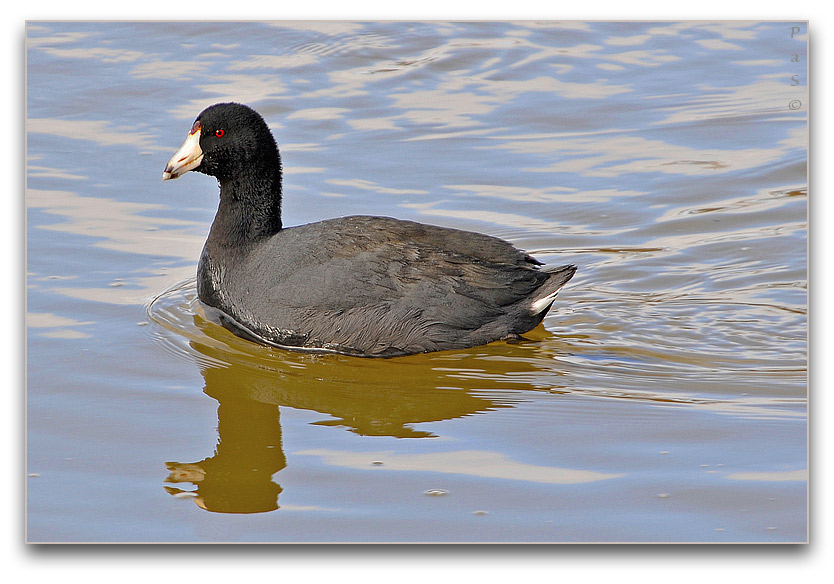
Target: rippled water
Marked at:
663, 399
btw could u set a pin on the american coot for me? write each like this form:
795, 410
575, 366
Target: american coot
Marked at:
368, 286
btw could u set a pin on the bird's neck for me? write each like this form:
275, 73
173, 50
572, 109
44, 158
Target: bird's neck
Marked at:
250, 207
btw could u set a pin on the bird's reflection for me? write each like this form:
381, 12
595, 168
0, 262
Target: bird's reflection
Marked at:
238, 477
368, 397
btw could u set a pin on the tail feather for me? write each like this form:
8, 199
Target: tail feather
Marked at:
546, 293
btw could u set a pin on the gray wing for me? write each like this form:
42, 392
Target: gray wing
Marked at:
403, 288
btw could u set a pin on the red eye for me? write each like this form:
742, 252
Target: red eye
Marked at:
220, 133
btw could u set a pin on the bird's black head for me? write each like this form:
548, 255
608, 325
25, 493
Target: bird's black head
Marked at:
229, 141
232, 142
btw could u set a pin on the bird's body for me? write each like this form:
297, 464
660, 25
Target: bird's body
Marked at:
367, 286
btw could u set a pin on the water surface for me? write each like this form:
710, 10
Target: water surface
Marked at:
663, 399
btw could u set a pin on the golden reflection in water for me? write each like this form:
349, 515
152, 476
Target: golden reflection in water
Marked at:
238, 477
368, 397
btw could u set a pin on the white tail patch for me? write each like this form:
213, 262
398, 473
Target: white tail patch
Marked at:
544, 302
